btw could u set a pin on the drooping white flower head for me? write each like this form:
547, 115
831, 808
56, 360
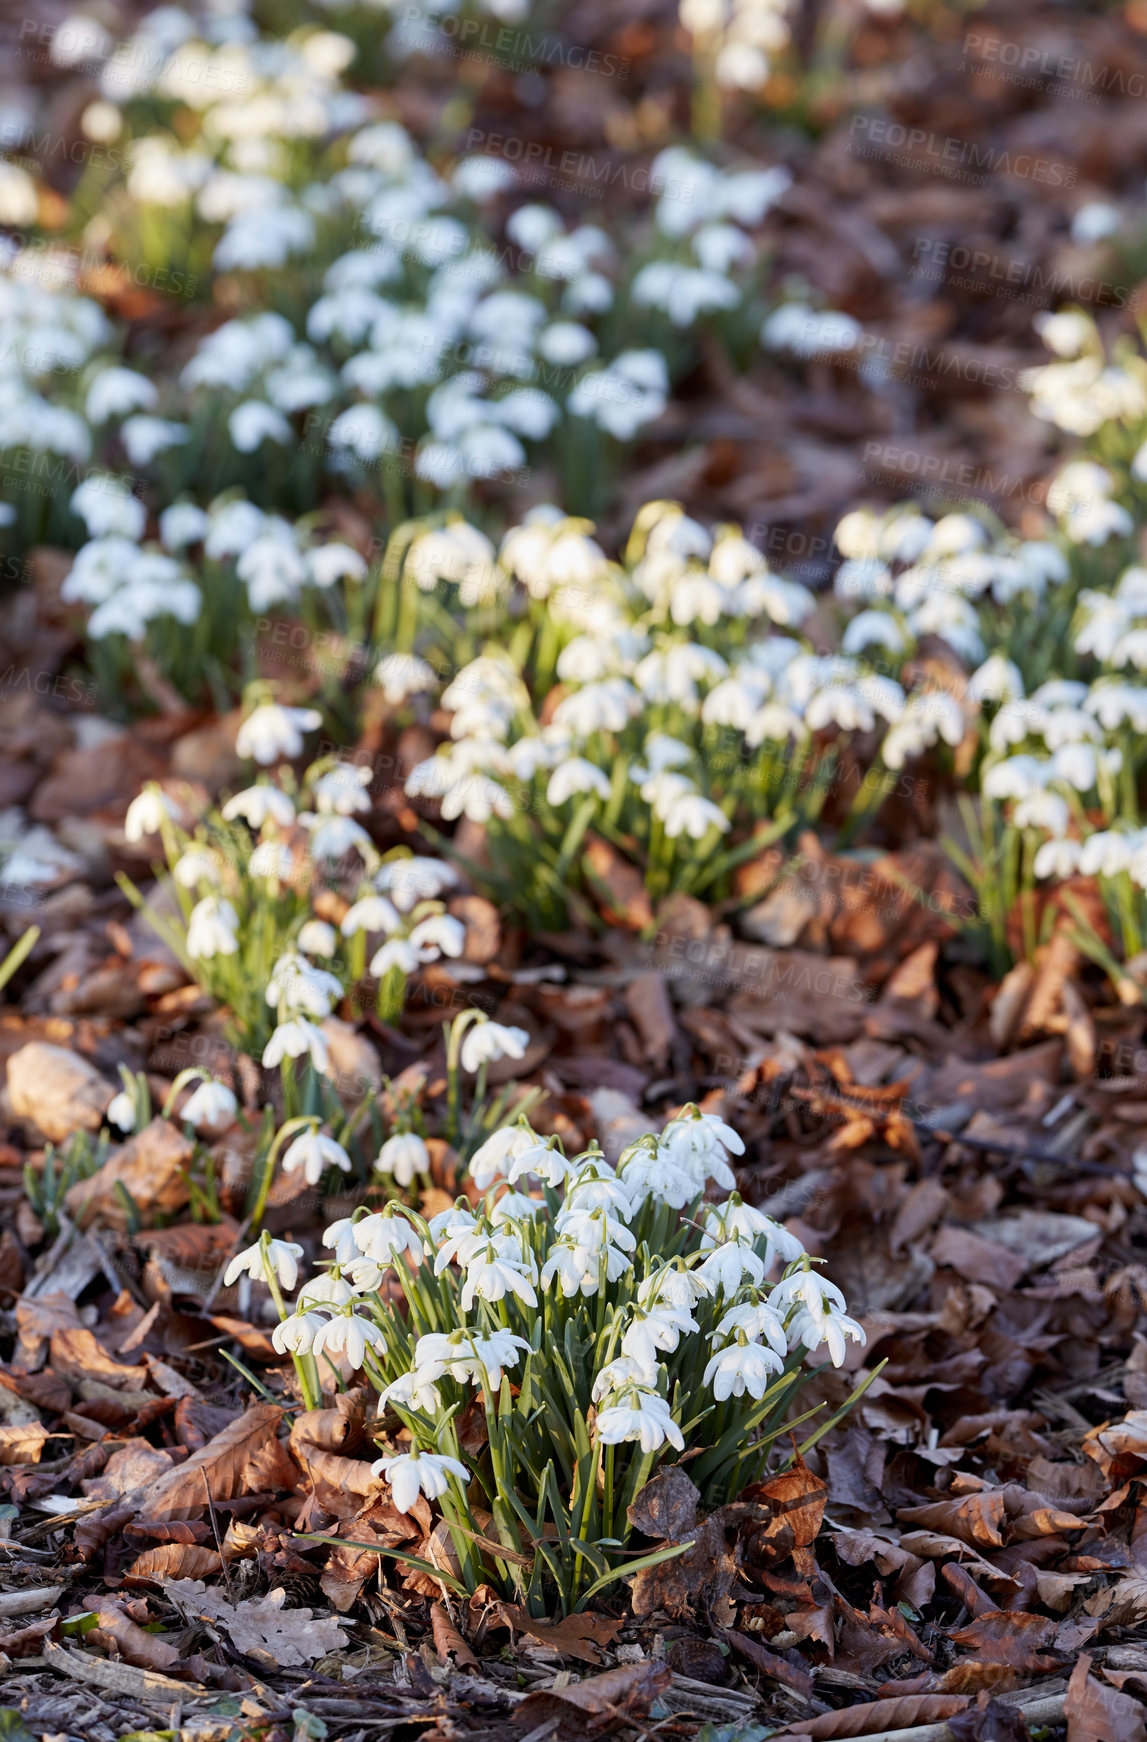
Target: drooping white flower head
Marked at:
314, 1153
277, 1257
272, 732
404, 1155
642, 1416
147, 813
210, 1107
349, 1334
488, 1041
260, 804
414, 1473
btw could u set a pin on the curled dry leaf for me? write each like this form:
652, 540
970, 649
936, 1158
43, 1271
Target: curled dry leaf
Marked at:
118, 1634
627, 1692
176, 1560
574, 1636
1097, 1713
448, 1642
880, 1717
22, 1444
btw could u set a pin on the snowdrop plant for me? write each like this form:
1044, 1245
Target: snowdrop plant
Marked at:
637, 702
562, 1331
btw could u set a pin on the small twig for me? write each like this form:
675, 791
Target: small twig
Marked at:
218, 1538
989, 1146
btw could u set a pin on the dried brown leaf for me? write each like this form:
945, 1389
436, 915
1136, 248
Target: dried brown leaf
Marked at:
880, 1716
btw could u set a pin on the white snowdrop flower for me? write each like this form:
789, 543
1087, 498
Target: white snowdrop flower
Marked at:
566, 344
1015, 777
439, 932
333, 837
340, 1237
809, 1290
1070, 726
645, 1417
619, 1373
211, 1107
698, 1142
314, 1153
1107, 852
318, 938
196, 865
107, 507
736, 1220
396, 954
116, 392
512, 1206
364, 432
279, 1257
607, 706
211, 929
489, 1162
653, 1331
692, 815
469, 1355
324, 1290
575, 776
674, 1287
296, 1334
726, 1267
757, 1319
926, 717
490, 1277
402, 675
144, 438
1067, 333
661, 753
296, 984
254, 422
384, 1236
742, 1367
147, 812
272, 731
414, 1473
121, 1112
412, 1390
292, 1039
998, 680
182, 524
487, 1042
351, 1335
272, 861
328, 563
1077, 764
371, 913
543, 1160
403, 1155
874, 629
833, 1330
1115, 704
577, 1269
413, 879
458, 1219
1043, 810
340, 791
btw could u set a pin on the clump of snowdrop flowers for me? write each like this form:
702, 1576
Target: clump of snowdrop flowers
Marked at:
591, 1318
248, 881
